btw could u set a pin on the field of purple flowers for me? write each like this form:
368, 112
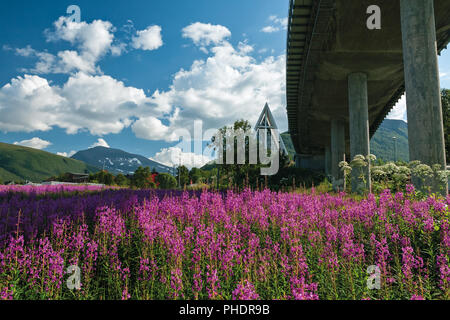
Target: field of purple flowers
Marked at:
204, 245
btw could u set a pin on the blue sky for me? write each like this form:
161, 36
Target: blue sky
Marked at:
133, 74
115, 47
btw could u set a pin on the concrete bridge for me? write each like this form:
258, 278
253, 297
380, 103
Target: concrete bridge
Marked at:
343, 78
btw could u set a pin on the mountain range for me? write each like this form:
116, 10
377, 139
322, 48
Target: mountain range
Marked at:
19, 163
117, 161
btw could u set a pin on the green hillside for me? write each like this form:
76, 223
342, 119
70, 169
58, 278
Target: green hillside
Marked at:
382, 143
19, 163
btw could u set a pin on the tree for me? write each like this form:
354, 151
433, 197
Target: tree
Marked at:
166, 181
103, 177
446, 117
143, 179
196, 175
121, 180
183, 175
239, 174
234, 171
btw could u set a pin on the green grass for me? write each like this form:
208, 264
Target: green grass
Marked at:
19, 163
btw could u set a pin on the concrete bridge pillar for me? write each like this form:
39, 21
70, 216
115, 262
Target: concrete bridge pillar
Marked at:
311, 162
423, 99
327, 161
337, 153
359, 128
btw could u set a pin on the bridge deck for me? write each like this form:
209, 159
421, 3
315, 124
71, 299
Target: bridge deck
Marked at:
328, 40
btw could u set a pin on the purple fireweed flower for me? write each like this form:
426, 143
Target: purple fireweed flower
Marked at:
410, 190
213, 244
302, 290
213, 283
245, 291
176, 283
410, 262
444, 272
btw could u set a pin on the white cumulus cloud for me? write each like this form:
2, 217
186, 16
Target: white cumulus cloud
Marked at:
100, 143
276, 24
270, 29
93, 38
399, 110
205, 34
98, 104
35, 143
226, 86
148, 39
91, 42
65, 154
174, 156
29, 104
151, 128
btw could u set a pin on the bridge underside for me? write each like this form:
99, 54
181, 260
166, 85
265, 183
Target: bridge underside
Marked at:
327, 41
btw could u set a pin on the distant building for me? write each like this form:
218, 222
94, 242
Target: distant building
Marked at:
58, 183
77, 177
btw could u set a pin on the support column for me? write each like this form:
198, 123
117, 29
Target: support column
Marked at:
297, 160
328, 161
359, 128
423, 99
337, 153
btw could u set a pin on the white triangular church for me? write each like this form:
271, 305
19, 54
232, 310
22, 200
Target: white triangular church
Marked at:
267, 123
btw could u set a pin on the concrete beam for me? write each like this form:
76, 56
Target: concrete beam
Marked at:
359, 128
337, 152
425, 127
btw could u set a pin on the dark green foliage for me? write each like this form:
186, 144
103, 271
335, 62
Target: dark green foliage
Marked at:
166, 181
196, 175
121, 180
143, 179
19, 163
183, 176
103, 177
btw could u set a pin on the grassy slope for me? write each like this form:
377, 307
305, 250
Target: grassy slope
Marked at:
382, 144
20, 163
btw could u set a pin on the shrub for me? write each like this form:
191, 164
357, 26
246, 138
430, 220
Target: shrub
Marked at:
166, 181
